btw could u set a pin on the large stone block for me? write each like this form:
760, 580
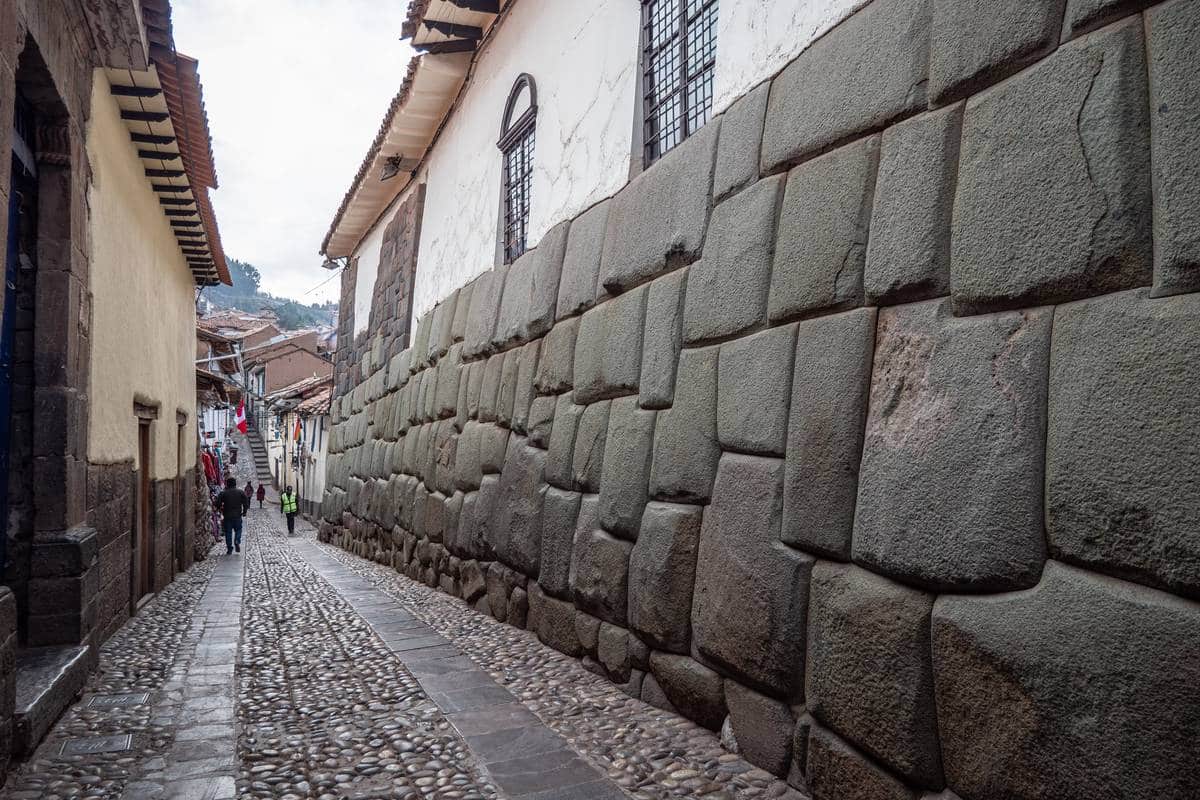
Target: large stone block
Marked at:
762, 727
1174, 40
587, 456
506, 394
753, 388
531, 290
951, 480
440, 336
517, 535
555, 621
1080, 688
823, 231
662, 572
1123, 447
486, 293
751, 592
462, 312
741, 142
560, 465
869, 674
449, 370
727, 290
657, 222
579, 288
540, 424
662, 340
561, 513
693, 689
868, 71
1053, 197
600, 574
908, 255
978, 42
489, 387
475, 523
556, 369
474, 380
836, 771
830, 388
493, 445
685, 436
523, 393
608, 349
628, 450
1086, 15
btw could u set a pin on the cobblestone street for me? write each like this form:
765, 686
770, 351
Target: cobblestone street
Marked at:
296, 670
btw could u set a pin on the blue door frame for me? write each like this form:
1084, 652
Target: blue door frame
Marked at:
22, 181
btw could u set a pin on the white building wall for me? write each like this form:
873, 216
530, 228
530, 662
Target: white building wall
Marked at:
756, 39
368, 269
584, 58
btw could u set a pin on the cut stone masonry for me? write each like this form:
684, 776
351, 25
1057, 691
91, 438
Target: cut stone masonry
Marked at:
862, 427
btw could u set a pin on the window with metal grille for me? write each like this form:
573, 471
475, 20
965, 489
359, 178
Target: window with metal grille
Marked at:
679, 50
516, 143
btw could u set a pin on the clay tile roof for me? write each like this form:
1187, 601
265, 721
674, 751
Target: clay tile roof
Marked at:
318, 402
179, 77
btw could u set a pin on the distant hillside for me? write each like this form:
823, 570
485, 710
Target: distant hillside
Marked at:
245, 295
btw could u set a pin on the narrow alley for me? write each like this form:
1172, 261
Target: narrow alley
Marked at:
619, 399
296, 670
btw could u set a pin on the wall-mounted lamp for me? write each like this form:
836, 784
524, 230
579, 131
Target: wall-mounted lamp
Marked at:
336, 263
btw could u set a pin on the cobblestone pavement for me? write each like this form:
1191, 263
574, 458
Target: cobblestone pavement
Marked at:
326, 709
296, 670
138, 659
648, 752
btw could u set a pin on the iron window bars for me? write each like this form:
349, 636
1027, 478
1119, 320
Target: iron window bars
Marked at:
516, 144
679, 48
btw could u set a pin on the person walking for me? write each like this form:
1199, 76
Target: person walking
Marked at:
233, 504
287, 503
249, 490
262, 493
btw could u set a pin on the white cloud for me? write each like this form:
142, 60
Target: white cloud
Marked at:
295, 91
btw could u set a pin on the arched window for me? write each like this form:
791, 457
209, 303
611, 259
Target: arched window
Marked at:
516, 143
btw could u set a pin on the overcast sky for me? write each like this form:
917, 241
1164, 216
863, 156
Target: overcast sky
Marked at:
295, 91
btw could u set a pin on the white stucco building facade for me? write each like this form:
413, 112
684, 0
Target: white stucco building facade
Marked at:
587, 61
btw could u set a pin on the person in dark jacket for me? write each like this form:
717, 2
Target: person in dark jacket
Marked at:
249, 490
232, 503
262, 493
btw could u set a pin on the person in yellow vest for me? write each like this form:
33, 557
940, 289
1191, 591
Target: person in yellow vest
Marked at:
287, 502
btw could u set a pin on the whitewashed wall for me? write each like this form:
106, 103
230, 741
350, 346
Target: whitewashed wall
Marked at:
584, 58
368, 269
756, 39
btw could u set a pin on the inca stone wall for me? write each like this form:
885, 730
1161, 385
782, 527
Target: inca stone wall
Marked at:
864, 426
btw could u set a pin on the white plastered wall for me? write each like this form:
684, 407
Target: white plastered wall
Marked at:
756, 39
584, 58
143, 303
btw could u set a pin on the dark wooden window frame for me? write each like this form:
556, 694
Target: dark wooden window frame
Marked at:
688, 118
517, 138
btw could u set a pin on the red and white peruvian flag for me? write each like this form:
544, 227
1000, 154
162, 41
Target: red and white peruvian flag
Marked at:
241, 417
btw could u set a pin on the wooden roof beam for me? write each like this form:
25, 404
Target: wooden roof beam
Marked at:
145, 116
482, 6
135, 91
151, 138
452, 46
165, 173
454, 30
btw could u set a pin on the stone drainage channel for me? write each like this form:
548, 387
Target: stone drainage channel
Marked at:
295, 670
